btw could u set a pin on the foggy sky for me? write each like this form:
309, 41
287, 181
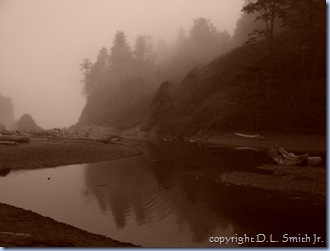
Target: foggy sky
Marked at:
42, 43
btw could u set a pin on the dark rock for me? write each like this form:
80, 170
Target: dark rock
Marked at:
4, 170
26, 123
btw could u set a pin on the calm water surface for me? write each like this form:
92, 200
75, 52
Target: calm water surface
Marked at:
169, 197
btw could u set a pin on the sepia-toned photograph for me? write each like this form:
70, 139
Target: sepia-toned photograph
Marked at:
163, 123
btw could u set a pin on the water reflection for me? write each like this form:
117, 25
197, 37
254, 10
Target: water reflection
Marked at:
167, 198
132, 193
123, 188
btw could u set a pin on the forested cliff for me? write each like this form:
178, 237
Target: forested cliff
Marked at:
270, 75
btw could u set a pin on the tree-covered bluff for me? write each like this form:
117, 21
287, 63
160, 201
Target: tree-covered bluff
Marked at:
121, 84
269, 76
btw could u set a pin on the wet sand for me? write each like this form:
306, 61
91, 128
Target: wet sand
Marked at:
304, 182
23, 228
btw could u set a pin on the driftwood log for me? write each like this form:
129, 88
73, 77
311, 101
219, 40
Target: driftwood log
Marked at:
284, 158
14, 138
253, 136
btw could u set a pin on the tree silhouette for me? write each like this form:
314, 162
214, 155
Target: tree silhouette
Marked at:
162, 102
143, 49
269, 11
120, 55
86, 67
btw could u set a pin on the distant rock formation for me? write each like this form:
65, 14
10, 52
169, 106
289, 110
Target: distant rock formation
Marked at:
26, 123
6, 112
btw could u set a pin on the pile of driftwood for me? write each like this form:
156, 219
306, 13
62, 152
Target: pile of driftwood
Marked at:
284, 158
12, 138
15, 137
85, 133
105, 135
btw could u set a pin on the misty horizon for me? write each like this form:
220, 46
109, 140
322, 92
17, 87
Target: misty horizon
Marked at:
43, 43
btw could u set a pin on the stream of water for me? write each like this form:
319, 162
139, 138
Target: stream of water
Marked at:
169, 197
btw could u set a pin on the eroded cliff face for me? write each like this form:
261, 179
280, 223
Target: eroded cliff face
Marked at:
6, 112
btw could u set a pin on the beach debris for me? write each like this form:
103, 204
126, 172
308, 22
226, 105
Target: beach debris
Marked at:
105, 135
282, 157
6, 132
14, 138
252, 136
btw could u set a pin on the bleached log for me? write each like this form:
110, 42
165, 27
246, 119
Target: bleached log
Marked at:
282, 157
253, 136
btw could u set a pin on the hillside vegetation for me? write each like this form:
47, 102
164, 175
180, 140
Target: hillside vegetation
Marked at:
269, 76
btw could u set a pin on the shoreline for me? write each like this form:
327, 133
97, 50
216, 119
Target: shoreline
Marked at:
17, 227
23, 228
303, 182
53, 153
